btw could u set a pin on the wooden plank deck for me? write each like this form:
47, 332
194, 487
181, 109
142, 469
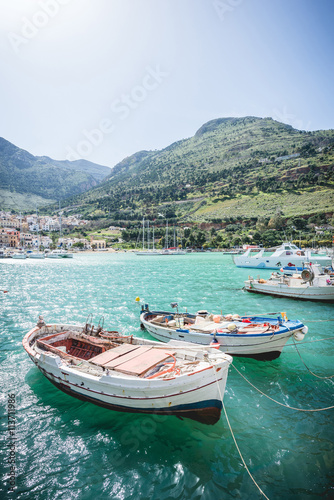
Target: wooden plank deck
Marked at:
105, 357
127, 357
142, 363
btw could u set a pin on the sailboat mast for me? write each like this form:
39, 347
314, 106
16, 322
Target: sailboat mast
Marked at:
59, 221
153, 238
166, 234
37, 229
148, 235
143, 234
20, 230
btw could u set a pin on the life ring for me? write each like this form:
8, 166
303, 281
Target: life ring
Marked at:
298, 253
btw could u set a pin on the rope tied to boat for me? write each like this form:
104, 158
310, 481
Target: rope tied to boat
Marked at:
235, 441
277, 402
314, 374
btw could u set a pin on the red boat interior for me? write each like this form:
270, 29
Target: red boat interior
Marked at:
77, 348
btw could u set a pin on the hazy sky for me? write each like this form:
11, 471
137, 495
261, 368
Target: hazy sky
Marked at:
102, 79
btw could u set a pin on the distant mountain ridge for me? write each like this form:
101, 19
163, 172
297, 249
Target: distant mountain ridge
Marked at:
230, 164
26, 174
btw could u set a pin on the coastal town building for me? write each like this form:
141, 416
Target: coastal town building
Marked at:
97, 244
9, 237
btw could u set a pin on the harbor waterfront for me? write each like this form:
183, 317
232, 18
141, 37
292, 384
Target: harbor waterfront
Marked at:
68, 449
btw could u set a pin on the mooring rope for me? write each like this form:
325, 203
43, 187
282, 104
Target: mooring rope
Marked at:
319, 320
235, 442
318, 376
310, 341
274, 400
242, 458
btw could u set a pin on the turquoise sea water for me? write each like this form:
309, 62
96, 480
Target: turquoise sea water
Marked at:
66, 449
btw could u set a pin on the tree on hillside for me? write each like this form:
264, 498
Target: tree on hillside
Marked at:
276, 222
261, 224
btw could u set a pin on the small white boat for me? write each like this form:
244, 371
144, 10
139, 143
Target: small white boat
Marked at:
59, 254
148, 252
287, 254
20, 254
38, 255
130, 374
311, 284
173, 251
251, 336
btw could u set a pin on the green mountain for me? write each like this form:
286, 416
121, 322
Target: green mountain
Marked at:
232, 167
26, 179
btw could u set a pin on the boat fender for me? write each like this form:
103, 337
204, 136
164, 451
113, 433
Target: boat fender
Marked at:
305, 330
217, 318
231, 327
215, 344
298, 335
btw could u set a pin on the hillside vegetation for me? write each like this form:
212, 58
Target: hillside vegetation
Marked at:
230, 167
40, 178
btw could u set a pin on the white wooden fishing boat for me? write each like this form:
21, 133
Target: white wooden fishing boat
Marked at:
287, 254
130, 374
311, 284
251, 336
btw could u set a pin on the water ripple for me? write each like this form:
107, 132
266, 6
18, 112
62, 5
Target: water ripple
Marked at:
67, 449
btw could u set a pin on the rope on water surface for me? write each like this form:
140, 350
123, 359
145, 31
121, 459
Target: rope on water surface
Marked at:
318, 376
274, 400
310, 341
319, 320
235, 442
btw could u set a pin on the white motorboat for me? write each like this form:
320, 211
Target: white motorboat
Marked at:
3, 253
251, 336
59, 254
173, 251
20, 254
38, 255
287, 254
130, 374
311, 284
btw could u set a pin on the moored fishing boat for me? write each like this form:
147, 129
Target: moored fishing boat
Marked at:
311, 284
130, 374
248, 336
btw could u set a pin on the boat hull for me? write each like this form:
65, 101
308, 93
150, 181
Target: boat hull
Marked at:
195, 395
306, 292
